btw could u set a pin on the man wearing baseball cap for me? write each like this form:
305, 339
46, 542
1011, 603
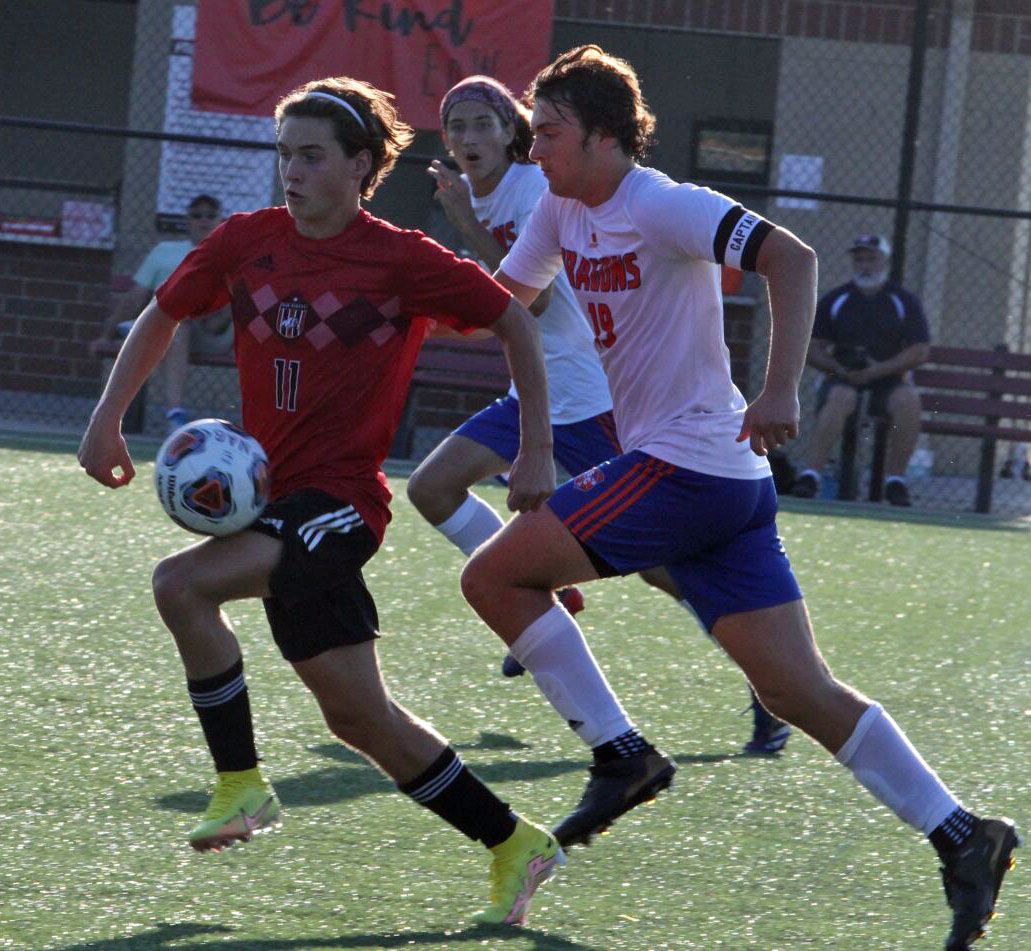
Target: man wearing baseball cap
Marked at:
868, 335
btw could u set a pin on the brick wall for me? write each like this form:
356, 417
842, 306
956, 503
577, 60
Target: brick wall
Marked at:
1000, 26
53, 301
739, 334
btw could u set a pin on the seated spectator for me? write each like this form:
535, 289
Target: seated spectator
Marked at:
213, 334
868, 335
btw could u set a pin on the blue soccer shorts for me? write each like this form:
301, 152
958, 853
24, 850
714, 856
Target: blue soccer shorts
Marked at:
578, 446
717, 537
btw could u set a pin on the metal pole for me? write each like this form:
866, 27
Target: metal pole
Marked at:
910, 130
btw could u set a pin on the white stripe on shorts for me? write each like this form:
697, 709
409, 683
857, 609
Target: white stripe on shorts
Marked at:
341, 521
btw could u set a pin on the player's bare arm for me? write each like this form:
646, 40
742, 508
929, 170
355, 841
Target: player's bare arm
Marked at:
789, 267
102, 452
453, 196
532, 478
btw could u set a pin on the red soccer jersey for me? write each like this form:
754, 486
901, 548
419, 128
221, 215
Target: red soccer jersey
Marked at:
327, 333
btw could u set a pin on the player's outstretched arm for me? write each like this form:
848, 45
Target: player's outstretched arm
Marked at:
102, 452
789, 267
532, 478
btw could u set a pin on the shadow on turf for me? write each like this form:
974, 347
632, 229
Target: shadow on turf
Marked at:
167, 936
355, 779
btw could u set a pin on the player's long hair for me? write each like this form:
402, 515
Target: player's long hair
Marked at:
519, 147
385, 134
605, 94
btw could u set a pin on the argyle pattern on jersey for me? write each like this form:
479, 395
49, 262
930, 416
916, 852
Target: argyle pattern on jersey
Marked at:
263, 313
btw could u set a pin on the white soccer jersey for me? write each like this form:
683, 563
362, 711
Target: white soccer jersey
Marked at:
644, 267
577, 388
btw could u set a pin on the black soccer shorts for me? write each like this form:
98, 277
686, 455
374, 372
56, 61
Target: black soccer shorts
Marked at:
319, 599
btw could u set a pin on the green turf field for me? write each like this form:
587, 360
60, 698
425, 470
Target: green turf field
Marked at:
103, 769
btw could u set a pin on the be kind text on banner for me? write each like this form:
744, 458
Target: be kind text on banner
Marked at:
249, 53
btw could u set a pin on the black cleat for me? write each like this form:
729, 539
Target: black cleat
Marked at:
614, 788
897, 493
769, 735
972, 876
806, 486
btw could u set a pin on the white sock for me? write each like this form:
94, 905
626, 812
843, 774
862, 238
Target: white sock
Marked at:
471, 524
886, 763
555, 653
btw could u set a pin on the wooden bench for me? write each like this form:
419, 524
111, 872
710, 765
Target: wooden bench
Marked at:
135, 415
456, 368
982, 394
979, 394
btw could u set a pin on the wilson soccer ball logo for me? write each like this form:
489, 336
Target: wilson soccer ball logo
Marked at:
212, 477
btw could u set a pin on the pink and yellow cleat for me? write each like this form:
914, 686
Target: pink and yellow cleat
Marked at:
243, 804
522, 863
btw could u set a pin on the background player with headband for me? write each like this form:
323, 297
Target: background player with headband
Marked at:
331, 306
692, 489
487, 132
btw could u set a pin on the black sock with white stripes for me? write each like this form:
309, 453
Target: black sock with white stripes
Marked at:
450, 790
224, 710
954, 831
623, 746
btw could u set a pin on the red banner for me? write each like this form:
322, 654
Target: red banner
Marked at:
249, 53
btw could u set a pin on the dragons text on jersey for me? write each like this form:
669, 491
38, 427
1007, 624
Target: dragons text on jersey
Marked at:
614, 272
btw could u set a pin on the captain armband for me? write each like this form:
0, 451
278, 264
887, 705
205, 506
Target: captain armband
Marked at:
739, 237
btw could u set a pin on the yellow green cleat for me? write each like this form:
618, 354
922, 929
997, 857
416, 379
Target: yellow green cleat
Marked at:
243, 804
523, 862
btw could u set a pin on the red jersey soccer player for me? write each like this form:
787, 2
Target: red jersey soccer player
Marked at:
330, 306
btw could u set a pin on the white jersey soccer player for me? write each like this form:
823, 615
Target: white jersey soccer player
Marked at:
487, 133
692, 490
577, 387
642, 266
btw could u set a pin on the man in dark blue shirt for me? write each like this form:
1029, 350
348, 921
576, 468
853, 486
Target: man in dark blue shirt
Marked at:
868, 335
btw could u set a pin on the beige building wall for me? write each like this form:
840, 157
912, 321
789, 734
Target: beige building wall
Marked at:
138, 232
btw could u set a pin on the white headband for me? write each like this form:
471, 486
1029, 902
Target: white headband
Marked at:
340, 102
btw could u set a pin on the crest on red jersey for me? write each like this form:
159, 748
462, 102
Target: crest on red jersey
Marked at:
291, 317
586, 481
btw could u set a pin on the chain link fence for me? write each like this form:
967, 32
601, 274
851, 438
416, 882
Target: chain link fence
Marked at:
826, 136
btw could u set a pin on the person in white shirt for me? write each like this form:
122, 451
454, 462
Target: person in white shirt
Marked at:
692, 489
487, 132
213, 334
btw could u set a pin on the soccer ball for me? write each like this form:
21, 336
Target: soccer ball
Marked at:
212, 477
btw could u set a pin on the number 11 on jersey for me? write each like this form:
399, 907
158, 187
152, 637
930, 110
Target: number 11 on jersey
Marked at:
288, 378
